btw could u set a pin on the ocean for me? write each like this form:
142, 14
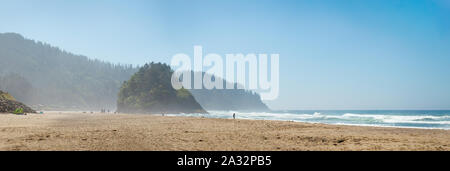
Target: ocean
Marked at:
427, 119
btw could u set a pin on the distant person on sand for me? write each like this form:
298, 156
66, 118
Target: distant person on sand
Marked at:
234, 115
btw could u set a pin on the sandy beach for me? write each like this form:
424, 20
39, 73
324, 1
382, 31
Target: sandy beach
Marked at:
112, 132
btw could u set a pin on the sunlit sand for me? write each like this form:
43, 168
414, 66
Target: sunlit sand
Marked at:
86, 131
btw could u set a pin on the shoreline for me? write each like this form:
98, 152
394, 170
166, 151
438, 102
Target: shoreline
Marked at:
330, 124
139, 132
254, 119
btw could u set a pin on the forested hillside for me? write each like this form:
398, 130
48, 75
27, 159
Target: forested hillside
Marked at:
229, 99
46, 77
41, 75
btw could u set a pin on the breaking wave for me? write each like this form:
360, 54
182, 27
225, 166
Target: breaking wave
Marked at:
410, 119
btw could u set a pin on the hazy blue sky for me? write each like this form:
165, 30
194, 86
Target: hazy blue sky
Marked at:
341, 54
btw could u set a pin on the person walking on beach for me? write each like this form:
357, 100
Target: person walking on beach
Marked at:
234, 115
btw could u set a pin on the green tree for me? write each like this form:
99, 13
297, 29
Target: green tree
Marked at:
150, 91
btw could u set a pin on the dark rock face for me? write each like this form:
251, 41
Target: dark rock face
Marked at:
8, 105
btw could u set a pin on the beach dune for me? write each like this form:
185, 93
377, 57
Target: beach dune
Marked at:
111, 132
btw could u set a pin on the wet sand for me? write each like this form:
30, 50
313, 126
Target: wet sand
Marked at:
111, 132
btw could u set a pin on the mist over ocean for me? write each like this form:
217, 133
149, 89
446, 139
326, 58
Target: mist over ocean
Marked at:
428, 119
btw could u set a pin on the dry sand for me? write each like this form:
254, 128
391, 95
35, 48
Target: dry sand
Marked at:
78, 131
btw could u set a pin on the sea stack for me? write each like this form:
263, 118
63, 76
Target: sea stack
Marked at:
150, 91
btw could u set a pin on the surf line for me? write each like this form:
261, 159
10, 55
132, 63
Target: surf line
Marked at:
193, 161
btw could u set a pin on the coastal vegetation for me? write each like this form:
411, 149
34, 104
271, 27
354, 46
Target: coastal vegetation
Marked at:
41, 75
229, 99
150, 91
49, 78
